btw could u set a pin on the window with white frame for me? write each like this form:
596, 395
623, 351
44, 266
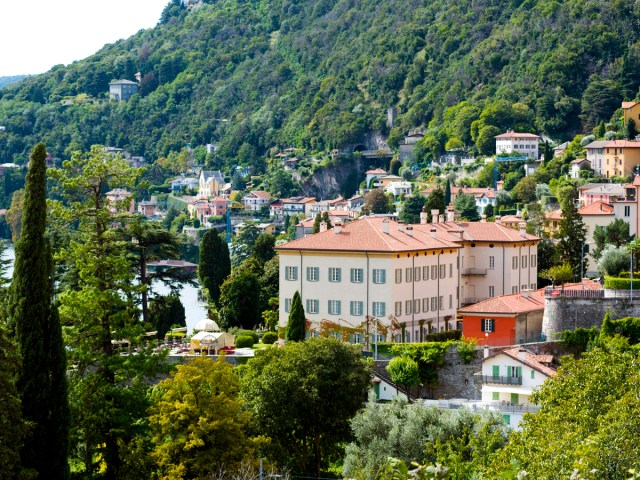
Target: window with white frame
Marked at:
398, 275
523, 261
416, 305
291, 273
514, 263
379, 309
534, 260
441, 302
425, 273
408, 307
514, 289
313, 274
443, 271
450, 301
356, 275
379, 275
487, 325
492, 262
492, 291
313, 306
533, 286
398, 309
287, 305
523, 287
434, 304
356, 308
451, 270
434, 272
334, 307
416, 274
408, 275
425, 305
335, 274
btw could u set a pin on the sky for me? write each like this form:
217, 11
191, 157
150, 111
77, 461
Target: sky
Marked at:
35, 35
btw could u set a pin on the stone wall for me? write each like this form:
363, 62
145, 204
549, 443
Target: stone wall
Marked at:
455, 378
568, 313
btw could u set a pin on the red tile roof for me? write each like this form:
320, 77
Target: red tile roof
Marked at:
555, 215
622, 144
376, 171
485, 232
516, 134
537, 362
596, 208
260, 194
629, 104
515, 304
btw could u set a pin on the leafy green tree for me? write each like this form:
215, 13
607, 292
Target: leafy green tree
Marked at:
14, 214
263, 248
572, 235
297, 324
613, 260
291, 393
316, 223
198, 422
244, 242
377, 202
434, 201
215, 265
238, 300
525, 190
280, 184
327, 220
411, 208
394, 167
165, 312
558, 274
404, 371
587, 420
616, 234
466, 205
42, 381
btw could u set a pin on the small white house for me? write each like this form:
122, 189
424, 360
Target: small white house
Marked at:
398, 188
508, 379
525, 144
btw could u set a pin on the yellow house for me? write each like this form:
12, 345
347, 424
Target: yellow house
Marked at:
620, 156
631, 110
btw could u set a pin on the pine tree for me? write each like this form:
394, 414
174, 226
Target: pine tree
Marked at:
296, 327
572, 233
215, 264
447, 193
42, 382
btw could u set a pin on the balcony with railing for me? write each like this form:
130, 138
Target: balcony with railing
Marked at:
497, 380
474, 271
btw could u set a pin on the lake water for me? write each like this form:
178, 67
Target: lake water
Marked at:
194, 311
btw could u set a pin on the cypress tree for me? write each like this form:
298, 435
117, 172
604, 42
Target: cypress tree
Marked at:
447, 193
297, 325
215, 264
42, 382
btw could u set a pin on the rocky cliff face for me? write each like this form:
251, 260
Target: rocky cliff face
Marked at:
340, 178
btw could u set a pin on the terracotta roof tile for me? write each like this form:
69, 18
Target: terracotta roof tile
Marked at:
629, 104
515, 303
623, 144
596, 208
516, 134
530, 360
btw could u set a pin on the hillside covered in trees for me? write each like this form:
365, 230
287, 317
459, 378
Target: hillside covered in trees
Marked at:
322, 73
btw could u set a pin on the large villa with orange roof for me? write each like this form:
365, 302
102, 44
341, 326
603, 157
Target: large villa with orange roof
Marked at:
408, 279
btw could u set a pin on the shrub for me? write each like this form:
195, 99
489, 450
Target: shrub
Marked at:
466, 349
244, 341
238, 332
269, 338
616, 283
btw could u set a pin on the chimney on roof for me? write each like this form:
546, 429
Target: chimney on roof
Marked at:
526, 293
451, 213
423, 217
498, 219
433, 232
522, 354
401, 226
441, 218
434, 215
385, 226
409, 230
523, 229
486, 351
484, 218
138, 77
323, 226
337, 228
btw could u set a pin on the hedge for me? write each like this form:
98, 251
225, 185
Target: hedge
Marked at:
617, 283
244, 341
269, 338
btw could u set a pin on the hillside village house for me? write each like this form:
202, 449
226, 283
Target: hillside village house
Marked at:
578, 165
411, 278
182, 184
147, 208
483, 196
508, 379
522, 143
297, 206
620, 158
398, 188
631, 111
595, 154
122, 90
118, 197
210, 183
255, 200
372, 177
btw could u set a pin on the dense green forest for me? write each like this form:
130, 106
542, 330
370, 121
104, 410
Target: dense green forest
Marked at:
321, 74
5, 81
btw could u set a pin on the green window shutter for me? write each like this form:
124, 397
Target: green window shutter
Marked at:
533, 373
515, 398
509, 371
383, 276
519, 372
492, 325
495, 396
507, 419
339, 276
496, 370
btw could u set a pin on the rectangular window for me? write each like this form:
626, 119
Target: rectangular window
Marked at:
515, 372
434, 304
379, 275
416, 274
534, 260
425, 273
496, 370
533, 374
523, 287
514, 289
398, 275
335, 274
451, 270
450, 301
334, 307
398, 312
379, 309
524, 261
313, 306
291, 273
533, 286
487, 325
313, 274
356, 275
407, 307
441, 302
627, 211
495, 396
356, 308
492, 291
425, 305
287, 305
515, 399
408, 277
416, 306
434, 272
443, 271
514, 263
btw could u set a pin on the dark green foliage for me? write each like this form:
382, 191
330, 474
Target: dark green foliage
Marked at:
572, 234
447, 193
434, 201
394, 167
239, 305
239, 332
215, 264
263, 248
165, 312
244, 341
269, 338
327, 220
578, 339
616, 234
411, 208
42, 381
316, 223
377, 202
297, 325
466, 205
303, 397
